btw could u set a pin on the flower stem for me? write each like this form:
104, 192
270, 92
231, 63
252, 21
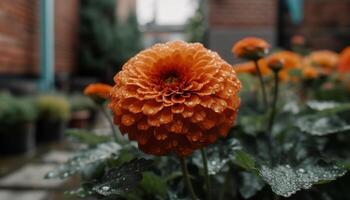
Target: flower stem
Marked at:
274, 103
262, 84
206, 172
117, 137
186, 177
226, 184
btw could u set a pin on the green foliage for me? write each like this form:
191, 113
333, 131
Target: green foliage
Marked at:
87, 137
326, 120
53, 107
122, 179
153, 184
286, 180
244, 160
105, 43
81, 102
84, 158
97, 36
14, 110
196, 26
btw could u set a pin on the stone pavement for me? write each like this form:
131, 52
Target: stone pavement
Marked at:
28, 183
22, 177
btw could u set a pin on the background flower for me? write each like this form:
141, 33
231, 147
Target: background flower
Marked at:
175, 97
98, 91
324, 60
251, 48
344, 60
250, 68
290, 61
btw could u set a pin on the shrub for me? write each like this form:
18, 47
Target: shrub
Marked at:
53, 107
80, 102
15, 110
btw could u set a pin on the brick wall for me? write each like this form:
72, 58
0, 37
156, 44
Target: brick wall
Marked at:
18, 30
243, 13
231, 20
326, 24
19, 36
66, 34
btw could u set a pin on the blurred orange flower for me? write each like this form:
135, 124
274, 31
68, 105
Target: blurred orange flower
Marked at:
344, 60
310, 72
251, 48
98, 90
298, 40
250, 68
290, 61
175, 97
326, 61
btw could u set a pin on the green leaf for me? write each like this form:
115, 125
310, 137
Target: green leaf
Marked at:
251, 184
153, 184
218, 155
84, 158
80, 192
122, 179
324, 125
87, 137
286, 180
245, 160
322, 105
253, 124
326, 121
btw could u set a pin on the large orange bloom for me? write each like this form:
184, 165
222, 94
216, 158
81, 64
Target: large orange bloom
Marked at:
98, 90
175, 97
251, 48
344, 60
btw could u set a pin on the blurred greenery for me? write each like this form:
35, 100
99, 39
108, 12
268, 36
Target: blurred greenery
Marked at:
53, 107
80, 102
15, 110
105, 43
196, 25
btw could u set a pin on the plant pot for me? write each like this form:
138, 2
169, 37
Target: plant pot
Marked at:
17, 138
50, 130
80, 119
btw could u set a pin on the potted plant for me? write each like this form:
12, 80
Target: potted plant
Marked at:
17, 116
83, 111
53, 115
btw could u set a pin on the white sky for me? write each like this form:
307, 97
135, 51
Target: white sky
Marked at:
169, 12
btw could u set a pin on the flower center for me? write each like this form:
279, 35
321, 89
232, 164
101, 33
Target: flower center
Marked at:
171, 77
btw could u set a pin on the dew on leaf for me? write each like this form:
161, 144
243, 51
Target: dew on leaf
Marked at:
285, 180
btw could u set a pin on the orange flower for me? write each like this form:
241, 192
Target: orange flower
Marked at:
250, 68
251, 48
98, 91
175, 97
310, 72
298, 40
344, 60
325, 60
290, 61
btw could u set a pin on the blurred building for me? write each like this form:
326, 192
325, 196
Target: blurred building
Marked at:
19, 36
324, 24
231, 20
